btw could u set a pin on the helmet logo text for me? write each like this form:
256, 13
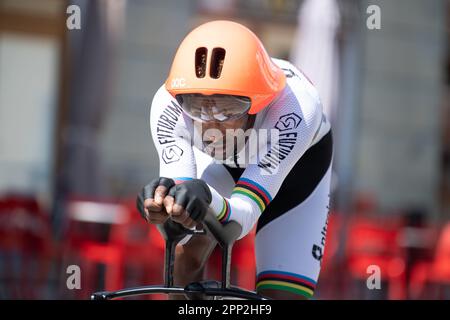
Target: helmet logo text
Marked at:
178, 83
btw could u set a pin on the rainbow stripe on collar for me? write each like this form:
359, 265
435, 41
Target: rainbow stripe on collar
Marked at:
287, 281
254, 191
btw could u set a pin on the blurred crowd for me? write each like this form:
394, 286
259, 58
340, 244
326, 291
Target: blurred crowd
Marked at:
114, 248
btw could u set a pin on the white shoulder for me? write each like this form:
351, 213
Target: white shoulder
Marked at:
161, 99
296, 79
304, 97
162, 96
283, 64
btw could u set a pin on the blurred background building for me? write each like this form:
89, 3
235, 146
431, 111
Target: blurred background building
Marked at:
75, 143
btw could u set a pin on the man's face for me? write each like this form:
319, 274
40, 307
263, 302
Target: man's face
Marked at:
218, 138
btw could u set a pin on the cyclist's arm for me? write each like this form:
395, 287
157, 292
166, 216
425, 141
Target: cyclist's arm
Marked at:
171, 138
259, 183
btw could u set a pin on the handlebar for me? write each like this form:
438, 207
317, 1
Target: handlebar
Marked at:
225, 234
173, 233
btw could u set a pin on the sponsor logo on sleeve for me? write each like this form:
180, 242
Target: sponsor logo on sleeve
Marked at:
167, 122
286, 140
171, 154
288, 122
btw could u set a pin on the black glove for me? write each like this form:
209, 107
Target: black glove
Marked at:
194, 196
148, 192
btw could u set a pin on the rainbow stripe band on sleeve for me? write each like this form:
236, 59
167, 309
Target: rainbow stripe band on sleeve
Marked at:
225, 213
287, 281
179, 180
254, 191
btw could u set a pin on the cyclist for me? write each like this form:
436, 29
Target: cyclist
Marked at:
222, 78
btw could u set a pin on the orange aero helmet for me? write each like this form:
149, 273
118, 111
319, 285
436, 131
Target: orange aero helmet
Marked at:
224, 57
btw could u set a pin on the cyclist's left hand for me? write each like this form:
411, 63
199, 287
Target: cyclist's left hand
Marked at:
188, 202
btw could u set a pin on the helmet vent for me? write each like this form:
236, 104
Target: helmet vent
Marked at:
217, 59
200, 62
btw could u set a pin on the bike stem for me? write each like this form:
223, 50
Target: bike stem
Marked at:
226, 266
225, 235
169, 262
172, 233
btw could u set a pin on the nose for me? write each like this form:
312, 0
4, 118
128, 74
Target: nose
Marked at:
210, 138
210, 130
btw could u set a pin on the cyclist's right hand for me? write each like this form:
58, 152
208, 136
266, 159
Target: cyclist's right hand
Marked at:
150, 201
